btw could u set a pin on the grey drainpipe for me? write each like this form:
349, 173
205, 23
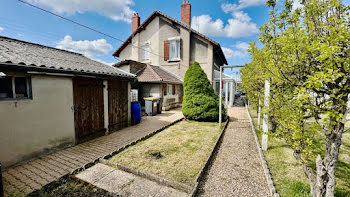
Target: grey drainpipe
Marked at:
1, 185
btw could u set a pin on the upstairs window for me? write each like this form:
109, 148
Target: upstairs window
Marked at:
145, 52
172, 49
12, 88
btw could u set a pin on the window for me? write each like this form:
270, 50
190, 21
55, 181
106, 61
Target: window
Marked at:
145, 52
174, 89
170, 89
165, 89
174, 49
15, 88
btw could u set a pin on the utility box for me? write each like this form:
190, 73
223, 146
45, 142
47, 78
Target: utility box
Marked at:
134, 95
151, 106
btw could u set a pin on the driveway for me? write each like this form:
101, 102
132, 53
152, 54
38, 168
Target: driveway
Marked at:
46, 169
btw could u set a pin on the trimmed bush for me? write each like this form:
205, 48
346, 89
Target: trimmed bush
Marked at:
200, 102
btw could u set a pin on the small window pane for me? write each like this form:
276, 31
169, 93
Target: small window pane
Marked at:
170, 89
6, 87
174, 49
21, 87
145, 52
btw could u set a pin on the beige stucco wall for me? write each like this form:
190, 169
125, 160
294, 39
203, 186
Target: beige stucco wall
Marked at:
147, 90
29, 127
194, 48
125, 68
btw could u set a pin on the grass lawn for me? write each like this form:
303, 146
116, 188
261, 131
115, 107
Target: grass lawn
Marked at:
288, 175
183, 147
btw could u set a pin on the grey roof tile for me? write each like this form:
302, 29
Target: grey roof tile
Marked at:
30, 54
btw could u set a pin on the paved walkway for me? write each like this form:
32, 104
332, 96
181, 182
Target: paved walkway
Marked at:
125, 184
39, 172
236, 169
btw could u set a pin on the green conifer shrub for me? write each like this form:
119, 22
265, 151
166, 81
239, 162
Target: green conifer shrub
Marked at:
200, 103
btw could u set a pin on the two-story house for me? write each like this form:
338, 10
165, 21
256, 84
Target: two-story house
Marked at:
163, 41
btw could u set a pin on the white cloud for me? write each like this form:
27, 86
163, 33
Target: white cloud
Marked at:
296, 5
231, 7
91, 48
1, 29
242, 46
118, 10
240, 51
239, 25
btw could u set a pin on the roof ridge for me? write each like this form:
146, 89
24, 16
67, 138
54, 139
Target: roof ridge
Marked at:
186, 26
41, 45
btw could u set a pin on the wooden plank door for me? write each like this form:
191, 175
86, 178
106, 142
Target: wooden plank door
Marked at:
117, 105
88, 109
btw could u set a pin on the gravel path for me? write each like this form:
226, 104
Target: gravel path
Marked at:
236, 169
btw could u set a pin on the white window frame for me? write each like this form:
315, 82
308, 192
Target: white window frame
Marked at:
175, 56
145, 53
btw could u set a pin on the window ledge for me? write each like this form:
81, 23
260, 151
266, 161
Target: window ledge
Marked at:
174, 60
15, 100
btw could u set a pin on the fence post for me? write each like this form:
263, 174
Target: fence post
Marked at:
259, 112
1, 184
266, 116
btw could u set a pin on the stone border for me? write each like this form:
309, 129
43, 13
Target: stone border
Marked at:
155, 178
88, 165
139, 140
209, 160
267, 172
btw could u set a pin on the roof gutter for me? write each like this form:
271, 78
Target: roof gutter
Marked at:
31, 69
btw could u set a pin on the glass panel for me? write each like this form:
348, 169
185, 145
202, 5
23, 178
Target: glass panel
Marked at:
145, 52
6, 87
178, 49
21, 87
174, 49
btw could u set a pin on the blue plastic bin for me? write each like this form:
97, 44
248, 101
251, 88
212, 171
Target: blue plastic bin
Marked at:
135, 113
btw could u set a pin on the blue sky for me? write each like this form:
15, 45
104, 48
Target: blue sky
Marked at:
232, 23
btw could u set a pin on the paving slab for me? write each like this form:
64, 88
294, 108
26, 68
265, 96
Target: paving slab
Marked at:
124, 183
56, 165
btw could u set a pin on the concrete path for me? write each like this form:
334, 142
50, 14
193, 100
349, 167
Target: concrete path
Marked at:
125, 184
236, 169
39, 172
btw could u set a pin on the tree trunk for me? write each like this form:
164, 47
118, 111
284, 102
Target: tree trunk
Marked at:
308, 172
325, 169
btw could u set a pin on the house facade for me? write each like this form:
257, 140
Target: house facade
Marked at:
51, 98
155, 81
163, 41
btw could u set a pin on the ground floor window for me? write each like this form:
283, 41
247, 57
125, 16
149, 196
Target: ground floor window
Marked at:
15, 88
170, 89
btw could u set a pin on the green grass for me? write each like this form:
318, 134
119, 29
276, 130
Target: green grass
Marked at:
288, 175
184, 146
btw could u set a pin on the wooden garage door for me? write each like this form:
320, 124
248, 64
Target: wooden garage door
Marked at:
117, 105
88, 109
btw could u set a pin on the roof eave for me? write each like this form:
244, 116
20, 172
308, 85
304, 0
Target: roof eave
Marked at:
24, 67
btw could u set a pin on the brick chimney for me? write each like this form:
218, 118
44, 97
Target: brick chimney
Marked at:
186, 12
135, 22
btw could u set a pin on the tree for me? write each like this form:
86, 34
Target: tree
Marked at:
306, 57
200, 102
